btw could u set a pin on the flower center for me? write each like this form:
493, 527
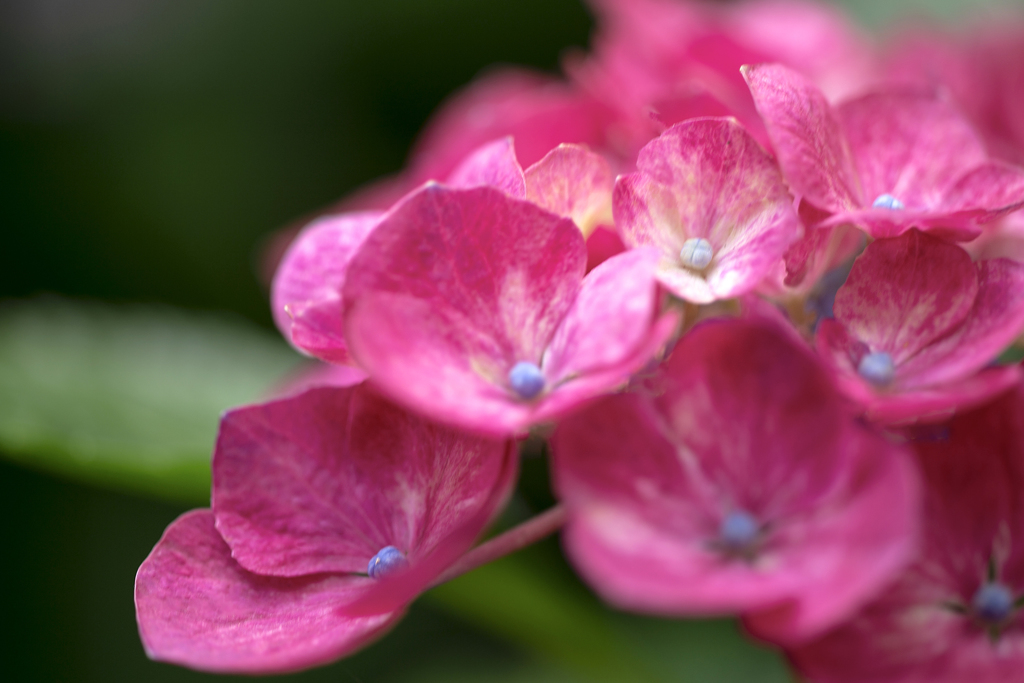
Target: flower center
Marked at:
738, 531
696, 253
388, 560
877, 367
526, 379
993, 603
887, 201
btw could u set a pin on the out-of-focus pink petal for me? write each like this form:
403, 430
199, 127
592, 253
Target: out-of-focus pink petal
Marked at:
574, 182
995, 320
197, 607
491, 165
321, 482
539, 112
807, 137
993, 187
318, 375
602, 244
911, 146
905, 293
740, 418
922, 628
451, 291
306, 292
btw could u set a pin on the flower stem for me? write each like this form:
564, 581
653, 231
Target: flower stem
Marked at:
516, 538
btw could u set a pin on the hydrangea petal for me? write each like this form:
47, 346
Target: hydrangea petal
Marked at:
493, 164
807, 136
453, 289
973, 519
321, 482
708, 178
574, 182
993, 187
197, 607
740, 418
306, 292
906, 292
911, 146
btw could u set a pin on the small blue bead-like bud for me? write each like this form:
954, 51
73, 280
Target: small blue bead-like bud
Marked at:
993, 603
696, 253
738, 531
526, 379
887, 201
387, 560
877, 367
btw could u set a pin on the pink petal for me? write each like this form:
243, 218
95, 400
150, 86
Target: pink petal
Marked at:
911, 146
573, 182
808, 140
739, 418
610, 332
974, 475
306, 293
708, 178
994, 321
993, 188
538, 111
491, 165
198, 608
321, 482
453, 289
904, 293
602, 244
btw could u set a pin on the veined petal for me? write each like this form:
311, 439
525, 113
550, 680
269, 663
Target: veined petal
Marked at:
574, 182
493, 164
199, 608
306, 292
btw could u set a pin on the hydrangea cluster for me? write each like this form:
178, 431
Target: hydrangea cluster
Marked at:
749, 274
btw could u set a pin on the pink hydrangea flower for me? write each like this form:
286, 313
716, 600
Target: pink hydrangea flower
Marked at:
470, 306
886, 161
916, 321
311, 494
660, 62
713, 203
739, 483
306, 299
954, 614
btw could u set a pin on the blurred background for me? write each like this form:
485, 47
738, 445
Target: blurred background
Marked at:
148, 148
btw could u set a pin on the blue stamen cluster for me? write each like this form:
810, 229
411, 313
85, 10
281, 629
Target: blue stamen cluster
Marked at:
387, 561
526, 380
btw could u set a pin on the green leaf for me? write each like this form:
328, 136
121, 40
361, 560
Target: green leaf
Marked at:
127, 397
531, 601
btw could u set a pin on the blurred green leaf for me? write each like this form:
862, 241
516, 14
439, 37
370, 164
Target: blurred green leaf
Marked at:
127, 397
525, 600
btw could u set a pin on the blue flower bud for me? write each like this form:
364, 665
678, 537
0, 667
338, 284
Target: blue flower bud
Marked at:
526, 380
887, 201
388, 560
696, 253
877, 367
993, 603
738, 531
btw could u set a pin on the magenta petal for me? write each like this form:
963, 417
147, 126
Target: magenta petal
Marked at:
904, 293
306, 292
992, 188
574, 182
451, 291
197, 607
708, 179
491, 165
920, 629
995, 319
321, 482
808, 140
740, 418
913, 147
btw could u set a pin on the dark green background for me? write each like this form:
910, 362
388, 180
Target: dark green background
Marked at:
147, 147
